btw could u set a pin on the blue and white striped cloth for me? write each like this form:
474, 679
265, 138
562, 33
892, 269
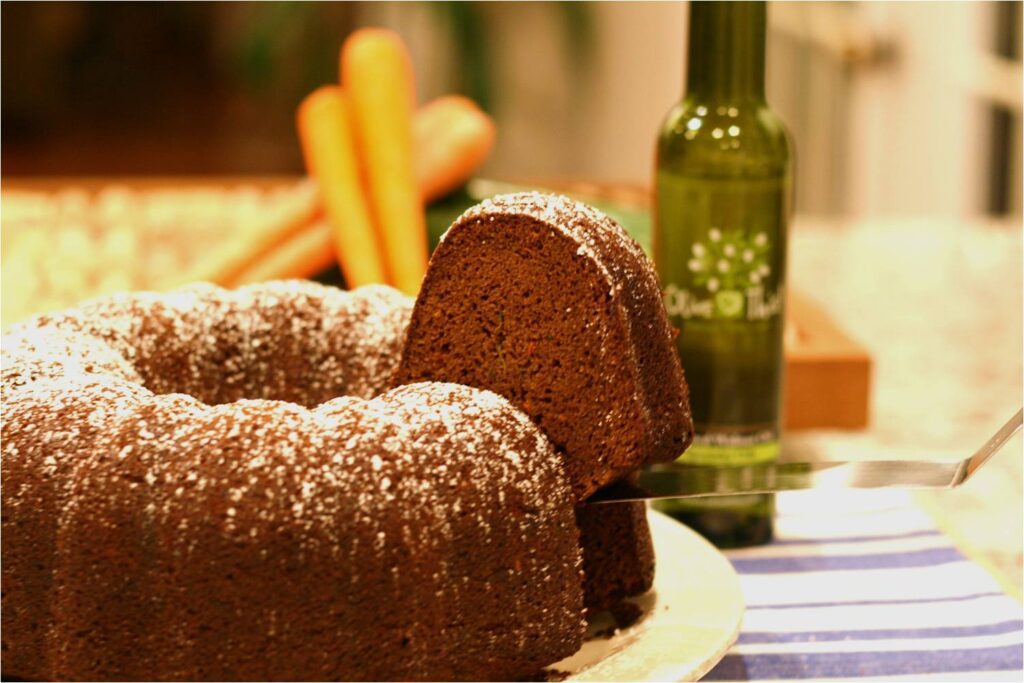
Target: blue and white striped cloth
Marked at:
862, 585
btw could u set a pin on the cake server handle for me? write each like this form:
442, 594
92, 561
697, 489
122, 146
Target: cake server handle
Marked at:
679, 480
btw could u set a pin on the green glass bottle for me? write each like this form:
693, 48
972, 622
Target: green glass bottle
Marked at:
722, 206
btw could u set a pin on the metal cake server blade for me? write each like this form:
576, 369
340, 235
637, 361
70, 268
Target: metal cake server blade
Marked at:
677, 480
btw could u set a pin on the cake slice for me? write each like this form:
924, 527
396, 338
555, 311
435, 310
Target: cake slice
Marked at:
550, 304
618, 554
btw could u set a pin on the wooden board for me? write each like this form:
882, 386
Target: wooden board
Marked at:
828, 374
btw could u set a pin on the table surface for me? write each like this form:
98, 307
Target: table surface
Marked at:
938, 304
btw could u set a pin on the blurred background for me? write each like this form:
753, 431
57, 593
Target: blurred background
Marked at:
906, 117
894, 107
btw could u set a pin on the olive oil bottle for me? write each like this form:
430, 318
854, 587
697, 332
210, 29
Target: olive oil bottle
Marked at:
723, 188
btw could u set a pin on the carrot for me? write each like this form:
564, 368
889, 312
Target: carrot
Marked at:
377, 73
325, 131
453, 138
302, 255
295, 209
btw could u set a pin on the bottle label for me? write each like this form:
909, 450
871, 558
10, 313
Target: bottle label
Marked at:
728, 450
730, 276
722, 449
720, 246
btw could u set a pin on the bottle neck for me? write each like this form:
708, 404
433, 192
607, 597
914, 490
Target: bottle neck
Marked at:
726, 51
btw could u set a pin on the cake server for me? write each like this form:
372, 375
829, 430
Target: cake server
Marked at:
677, 480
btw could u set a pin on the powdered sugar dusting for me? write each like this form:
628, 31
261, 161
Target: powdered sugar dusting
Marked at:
592, 230
288, 340
166, 414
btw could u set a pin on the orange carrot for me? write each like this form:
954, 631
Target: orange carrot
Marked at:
325, 131
377, 73
262, 239
453, 138
302, 255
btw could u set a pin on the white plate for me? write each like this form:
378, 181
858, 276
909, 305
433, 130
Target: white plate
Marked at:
690, 617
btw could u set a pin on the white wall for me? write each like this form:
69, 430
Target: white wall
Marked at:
921, 137
902, 136
555, 121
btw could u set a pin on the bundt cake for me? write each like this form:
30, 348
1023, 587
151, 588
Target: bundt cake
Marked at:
211, 485
290, 341
550, 304
180, 502
618, 553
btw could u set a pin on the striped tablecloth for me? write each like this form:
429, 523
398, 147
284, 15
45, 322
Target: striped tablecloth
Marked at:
862, 585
